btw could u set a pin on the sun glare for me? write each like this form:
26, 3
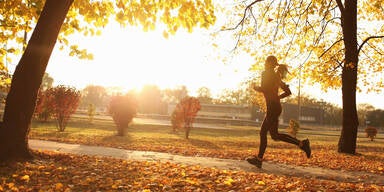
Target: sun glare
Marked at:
130, 58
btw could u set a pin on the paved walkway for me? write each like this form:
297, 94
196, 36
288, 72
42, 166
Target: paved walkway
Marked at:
270, 168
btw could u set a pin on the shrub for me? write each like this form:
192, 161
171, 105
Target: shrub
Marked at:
177, 120
185, 113
371, 132
91, 112
43, 110
293, 127
64, 101
122, 109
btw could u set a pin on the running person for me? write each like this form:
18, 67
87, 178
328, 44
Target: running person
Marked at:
270, 84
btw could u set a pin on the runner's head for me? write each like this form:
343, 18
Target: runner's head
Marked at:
271, 62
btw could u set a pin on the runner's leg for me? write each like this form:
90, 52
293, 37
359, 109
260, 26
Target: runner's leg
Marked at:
263, 137
274, 125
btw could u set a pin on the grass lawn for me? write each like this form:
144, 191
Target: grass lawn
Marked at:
238, 142
51, 171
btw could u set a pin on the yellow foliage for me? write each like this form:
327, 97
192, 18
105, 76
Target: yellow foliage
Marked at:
90, 17
309, 34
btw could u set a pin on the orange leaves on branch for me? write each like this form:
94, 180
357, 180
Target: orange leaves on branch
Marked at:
174, 14
63, 101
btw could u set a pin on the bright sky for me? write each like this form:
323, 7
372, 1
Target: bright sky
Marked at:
130, 58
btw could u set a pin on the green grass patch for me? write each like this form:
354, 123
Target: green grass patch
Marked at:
233, 143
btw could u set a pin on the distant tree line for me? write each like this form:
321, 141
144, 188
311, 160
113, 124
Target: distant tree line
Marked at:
375, 118
152, 100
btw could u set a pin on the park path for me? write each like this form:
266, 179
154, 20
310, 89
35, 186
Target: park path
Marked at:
227, 164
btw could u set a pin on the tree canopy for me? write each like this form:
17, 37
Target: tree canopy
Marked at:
19, 17
57, 20
307, 35
324, 41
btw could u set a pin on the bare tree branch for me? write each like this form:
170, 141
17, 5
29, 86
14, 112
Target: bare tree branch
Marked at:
254, 18
375, 49
248, 8
329, 48
366, 40
324, 24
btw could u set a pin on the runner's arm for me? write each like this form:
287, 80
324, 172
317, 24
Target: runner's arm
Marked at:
287, 92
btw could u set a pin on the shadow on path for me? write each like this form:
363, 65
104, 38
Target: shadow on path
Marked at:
228, 164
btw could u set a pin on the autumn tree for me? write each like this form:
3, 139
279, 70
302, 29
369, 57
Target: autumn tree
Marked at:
233, 96
375, 118
5, 80
323, 43
362, 112
150, 100
123, 109
244, 94
204, 95
53, 21
175, 95
93, 94
43, 110
26, 80
5, 84
64, 101
184, 114
47, 82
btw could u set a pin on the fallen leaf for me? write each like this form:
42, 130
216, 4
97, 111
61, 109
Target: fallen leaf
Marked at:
25, 178
59, 186
261, 183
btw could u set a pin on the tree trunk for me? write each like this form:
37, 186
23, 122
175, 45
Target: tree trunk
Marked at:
26, 80
347, 141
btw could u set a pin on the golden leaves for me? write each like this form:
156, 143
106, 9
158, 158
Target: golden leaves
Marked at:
309, 32
174, 14
87, 17
261, 183
165, 34
25, 178
80, 173
80, 53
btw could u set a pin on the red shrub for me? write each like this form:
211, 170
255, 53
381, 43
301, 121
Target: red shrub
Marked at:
43, 110
185, 113
371, 132
64, 102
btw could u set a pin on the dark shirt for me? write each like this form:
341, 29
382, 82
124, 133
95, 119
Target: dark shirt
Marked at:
270, 84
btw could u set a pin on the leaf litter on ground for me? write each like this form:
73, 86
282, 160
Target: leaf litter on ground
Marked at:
52, 171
